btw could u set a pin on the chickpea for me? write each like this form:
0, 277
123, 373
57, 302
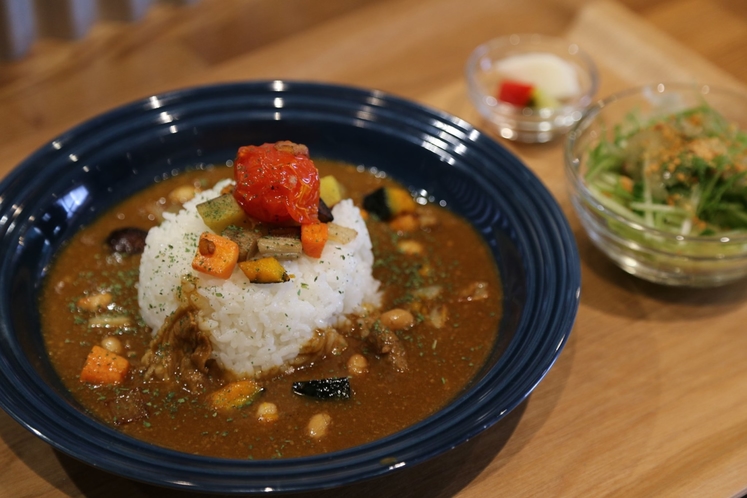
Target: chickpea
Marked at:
267, 412
397, 319
357, 364
410, 247
428, 220
111, 343
182, 194
404, 223
318, 425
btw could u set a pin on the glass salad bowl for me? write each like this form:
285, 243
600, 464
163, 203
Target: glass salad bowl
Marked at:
531, 88
657, 176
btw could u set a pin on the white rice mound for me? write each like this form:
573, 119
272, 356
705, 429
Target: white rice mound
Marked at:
258, 327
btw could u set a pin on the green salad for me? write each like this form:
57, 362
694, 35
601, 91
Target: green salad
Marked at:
684, 173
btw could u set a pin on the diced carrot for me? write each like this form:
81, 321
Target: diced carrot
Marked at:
313, 238
264, 271
216, 255
235, 395
104, 367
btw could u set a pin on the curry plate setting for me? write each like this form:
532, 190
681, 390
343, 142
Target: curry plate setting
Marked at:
70, 182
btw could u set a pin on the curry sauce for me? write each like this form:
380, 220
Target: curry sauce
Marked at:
454, 331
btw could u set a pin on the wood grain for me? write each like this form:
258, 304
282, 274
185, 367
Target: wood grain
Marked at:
647, 398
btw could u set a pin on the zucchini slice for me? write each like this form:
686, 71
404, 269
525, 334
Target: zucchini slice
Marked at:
220, 212
235, 395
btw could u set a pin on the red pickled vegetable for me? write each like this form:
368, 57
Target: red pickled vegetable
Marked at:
277, 183
515, 92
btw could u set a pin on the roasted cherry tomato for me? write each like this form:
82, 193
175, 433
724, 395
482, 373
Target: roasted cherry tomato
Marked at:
277, 183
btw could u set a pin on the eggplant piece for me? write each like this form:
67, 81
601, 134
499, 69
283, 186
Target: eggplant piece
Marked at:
280, 247
388, 202
246, 239
324, 213
323, 389
292, 232
127, 240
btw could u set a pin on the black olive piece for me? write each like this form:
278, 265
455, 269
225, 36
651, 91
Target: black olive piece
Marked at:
338, 388
325, 213
127, 240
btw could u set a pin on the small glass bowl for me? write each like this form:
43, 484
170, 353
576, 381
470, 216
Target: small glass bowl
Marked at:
528, 124
654, 255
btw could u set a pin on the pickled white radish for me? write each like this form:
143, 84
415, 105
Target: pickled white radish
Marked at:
548, 72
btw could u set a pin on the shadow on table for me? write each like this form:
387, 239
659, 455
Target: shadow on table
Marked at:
622, 291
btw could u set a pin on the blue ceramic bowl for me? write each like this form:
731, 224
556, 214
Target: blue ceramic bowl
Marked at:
69, 181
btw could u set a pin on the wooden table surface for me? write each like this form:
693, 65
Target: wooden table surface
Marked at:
648, 398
